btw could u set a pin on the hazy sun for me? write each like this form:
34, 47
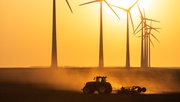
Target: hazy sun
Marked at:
122, 3
126, 4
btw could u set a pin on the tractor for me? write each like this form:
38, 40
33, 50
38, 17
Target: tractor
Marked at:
100, 85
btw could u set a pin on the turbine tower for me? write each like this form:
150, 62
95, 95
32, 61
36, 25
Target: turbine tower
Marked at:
101, 53
128, 11
54, 36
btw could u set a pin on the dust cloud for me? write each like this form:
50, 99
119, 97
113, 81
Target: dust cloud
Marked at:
155, 80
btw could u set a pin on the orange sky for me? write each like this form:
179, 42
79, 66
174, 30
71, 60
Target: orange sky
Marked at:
25, 33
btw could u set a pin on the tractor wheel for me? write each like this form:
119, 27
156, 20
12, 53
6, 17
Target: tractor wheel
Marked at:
87, 90
143, 89
108, 89
139, 90
102, 90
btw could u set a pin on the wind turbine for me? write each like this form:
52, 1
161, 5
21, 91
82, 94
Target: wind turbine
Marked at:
147, 43
101, 53
143, 29
128, 11
54, 37
149, 34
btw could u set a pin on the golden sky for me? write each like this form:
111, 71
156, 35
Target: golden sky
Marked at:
26, 26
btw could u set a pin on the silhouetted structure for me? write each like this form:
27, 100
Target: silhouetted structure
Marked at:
100, 84
145, 39
54, 61
149, 42
128, 11
101, 53
54, 39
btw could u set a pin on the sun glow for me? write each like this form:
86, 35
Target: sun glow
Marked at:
128, 3
26, 25
122, 3
144, 4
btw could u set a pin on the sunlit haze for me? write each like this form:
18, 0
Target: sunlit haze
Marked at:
26, 31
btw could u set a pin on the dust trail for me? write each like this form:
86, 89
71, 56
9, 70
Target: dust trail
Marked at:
156, 81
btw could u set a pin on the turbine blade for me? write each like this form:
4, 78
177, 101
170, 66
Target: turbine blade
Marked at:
151, 24
131, 21
150, 27
155, 37
138, 27
153, 29
140, 11
144, 13
69, 6
119, 7
151, 20
151, 42
89, 2
156, 30
111, 8
133, 5
138, 31
147, 25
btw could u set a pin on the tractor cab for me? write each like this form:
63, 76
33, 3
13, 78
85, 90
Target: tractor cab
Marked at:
100, 79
